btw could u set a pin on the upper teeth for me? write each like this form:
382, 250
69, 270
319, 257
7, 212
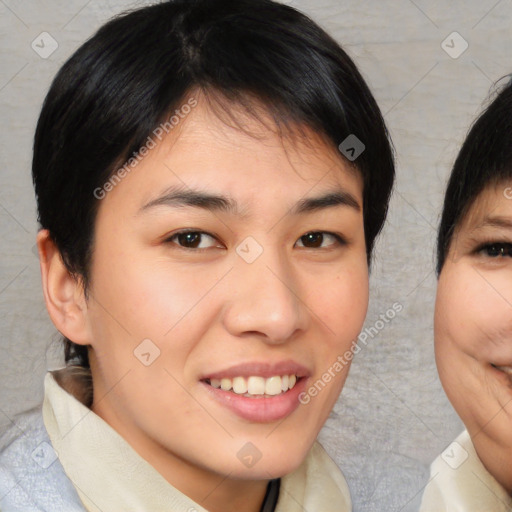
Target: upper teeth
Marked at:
506, 369
255, 385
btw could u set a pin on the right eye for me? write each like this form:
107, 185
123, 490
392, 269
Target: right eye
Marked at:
495, 249
192, 240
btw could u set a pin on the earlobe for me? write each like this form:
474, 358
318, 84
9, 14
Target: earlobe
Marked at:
63, 293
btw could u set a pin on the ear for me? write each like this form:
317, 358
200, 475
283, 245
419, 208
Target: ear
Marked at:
63, 293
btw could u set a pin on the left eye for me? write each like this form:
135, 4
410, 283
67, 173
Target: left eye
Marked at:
193, 239
316, 239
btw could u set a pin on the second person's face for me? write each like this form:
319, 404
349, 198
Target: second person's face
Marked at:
473, 328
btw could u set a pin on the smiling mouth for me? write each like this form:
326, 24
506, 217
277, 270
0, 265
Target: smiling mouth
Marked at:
256, 386
507, 370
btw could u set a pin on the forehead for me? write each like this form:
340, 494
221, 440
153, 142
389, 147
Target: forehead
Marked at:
233, 150
231, 129
494, 202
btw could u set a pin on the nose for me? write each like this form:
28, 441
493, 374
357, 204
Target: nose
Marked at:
265, 301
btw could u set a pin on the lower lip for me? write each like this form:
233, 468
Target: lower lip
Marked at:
260, 410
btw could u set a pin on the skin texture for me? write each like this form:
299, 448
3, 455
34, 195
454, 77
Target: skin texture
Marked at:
473, 328
207, 309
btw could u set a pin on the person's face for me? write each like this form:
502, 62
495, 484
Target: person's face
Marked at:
473, 328
269, 286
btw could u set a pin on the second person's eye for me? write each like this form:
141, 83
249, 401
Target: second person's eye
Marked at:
495, 249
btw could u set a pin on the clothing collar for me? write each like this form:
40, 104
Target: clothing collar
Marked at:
109, 475
459, 481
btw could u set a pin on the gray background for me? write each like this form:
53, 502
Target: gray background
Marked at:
392, 418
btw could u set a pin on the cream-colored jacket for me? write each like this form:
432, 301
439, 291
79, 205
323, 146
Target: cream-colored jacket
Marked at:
459, 482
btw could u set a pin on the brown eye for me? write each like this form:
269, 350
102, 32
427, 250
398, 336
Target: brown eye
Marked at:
189, 239
192, 240
316, 239
496, 250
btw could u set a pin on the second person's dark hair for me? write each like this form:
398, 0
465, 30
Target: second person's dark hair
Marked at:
484, 159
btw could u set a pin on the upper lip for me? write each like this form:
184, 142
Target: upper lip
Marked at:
260, 369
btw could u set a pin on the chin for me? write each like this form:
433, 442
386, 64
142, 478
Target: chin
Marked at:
273, 467
263, 460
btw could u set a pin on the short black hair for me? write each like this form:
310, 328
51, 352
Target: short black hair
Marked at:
126, 79
484, 159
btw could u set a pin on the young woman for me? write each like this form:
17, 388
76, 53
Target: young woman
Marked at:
473, 320
210, 178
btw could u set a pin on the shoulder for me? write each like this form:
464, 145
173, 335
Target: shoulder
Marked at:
31, 476
459, 481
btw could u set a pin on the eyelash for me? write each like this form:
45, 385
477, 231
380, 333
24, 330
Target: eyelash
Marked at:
500, 249
340, 241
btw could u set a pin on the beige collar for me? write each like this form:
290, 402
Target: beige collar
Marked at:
110, 476
460, 482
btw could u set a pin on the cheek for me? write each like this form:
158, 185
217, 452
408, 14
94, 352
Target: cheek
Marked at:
353, 294
473, 314
134, 301
161, 297
142, 279
342, 304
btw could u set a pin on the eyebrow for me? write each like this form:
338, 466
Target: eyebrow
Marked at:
180, 197
495, 222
